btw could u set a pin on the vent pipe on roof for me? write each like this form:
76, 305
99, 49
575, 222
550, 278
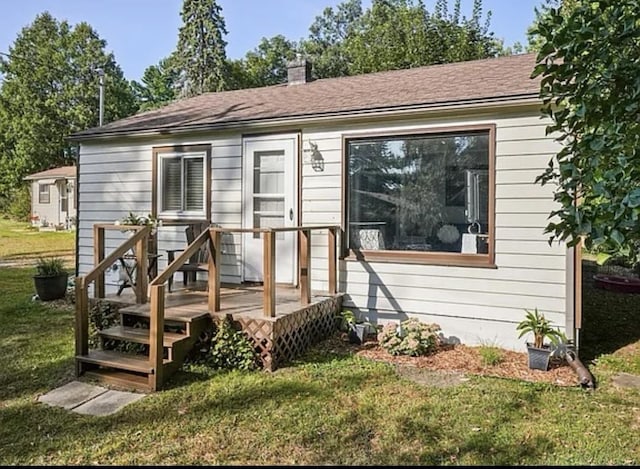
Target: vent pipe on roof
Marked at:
298, 71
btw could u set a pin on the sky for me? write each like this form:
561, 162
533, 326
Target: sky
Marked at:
141, 32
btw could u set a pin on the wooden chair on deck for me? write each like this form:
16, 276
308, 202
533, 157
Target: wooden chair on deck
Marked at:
199, 262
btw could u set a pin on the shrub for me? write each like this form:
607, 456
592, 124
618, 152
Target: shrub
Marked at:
231, 349
411, 337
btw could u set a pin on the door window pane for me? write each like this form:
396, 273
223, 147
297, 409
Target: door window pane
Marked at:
268, 172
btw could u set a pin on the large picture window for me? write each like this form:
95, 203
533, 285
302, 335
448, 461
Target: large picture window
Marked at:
421, 196
181, 183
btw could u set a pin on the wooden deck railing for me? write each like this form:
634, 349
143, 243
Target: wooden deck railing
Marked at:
139, 242
212, 238
157, 287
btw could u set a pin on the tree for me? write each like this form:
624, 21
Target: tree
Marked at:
200, 57
50, 90
396, 34
402, 34
534, 40
590, 90
158, 85
326, 42
265, 65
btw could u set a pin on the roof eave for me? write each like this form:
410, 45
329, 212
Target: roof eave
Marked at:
472, 104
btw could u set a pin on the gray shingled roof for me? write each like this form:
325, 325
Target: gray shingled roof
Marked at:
54, 173
501, 78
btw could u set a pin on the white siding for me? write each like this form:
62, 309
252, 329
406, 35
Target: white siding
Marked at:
474, 305
115, 179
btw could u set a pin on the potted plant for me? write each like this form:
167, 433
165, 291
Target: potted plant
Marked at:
355, 328
539, 351
51, 278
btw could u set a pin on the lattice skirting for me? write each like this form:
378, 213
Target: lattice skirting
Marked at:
281, 340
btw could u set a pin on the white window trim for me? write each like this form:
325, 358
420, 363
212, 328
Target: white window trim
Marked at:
182, 214
41, 193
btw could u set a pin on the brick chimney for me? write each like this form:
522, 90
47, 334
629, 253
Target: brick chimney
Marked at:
298, 71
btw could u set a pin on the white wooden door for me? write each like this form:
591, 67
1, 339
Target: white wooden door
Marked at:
270, 201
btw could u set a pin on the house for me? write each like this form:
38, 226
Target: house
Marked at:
429, 172
53, 198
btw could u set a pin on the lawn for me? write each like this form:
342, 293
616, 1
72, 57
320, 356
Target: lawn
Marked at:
19, 243
329, 407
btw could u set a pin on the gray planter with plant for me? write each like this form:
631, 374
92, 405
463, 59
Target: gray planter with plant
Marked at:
51, 278
540, 351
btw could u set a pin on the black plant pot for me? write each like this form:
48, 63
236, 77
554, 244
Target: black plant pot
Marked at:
357, 333
539, 357
51, 288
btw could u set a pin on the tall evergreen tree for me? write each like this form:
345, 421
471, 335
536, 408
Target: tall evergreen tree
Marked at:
200, 56
50, 90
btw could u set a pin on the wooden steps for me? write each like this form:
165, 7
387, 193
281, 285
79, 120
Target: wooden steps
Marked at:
182, 328
139, 335
121, 361
124, 380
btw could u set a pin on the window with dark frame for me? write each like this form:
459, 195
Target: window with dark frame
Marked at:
44, 193
424, 194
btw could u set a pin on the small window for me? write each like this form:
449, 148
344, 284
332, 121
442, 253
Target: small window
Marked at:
182, 184
423, 197
44, 193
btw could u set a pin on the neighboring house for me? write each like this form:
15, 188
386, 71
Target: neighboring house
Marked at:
53, 198
429, 171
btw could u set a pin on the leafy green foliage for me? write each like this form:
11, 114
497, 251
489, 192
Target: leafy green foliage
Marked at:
410, 337
18, 206
158, 86
264, 66
231, 349
589, 88
50, 90
395, 34
200, 57
538, 325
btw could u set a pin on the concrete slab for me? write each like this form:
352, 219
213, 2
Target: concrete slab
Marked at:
72, 395
107, 403
626, 380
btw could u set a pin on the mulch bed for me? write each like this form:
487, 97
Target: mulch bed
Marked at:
467, 360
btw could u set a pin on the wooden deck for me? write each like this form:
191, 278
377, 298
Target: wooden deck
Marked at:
238, 301
281, 321
277, 339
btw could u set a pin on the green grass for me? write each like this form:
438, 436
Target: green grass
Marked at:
330, 407
21, 242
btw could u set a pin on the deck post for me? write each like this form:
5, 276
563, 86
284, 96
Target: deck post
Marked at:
332, 287
98, 255
269, 273
142, 260
156, 336
304, 256
214, 246
82, 321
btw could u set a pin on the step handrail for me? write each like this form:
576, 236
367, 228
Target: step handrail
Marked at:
82, 283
